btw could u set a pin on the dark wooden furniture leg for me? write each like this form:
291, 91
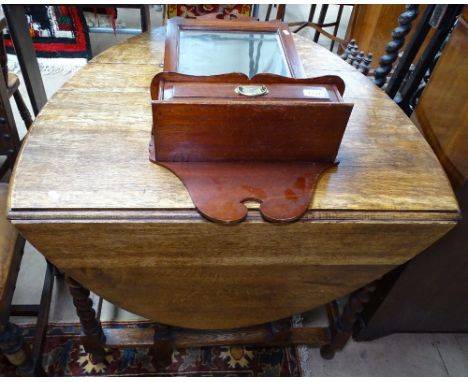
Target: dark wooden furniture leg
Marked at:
92, 338
29, 362
23, 109
42, 320
337, 25
12, 345
281, 12
309, 20
18, 28
163, 345
268, 13
145, 18
393, 47
343, 329
11, 80
321, 20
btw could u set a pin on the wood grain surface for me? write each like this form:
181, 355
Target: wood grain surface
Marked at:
85, 194
442, 112
8, 236
204, 275
239, 128
100, 122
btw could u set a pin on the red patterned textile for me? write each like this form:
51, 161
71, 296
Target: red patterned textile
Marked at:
57, 31
64, 356
194, 10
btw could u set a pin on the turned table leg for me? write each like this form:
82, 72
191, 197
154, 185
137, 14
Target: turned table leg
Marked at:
12, 345
345, 323
93, 338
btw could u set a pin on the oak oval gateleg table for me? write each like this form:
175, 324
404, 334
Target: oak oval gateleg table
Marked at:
86, 196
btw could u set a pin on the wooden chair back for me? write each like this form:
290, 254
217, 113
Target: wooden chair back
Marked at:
9, 138
3, 53
12, 343
405, 79
319, 26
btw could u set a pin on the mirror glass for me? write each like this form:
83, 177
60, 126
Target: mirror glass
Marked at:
205, 53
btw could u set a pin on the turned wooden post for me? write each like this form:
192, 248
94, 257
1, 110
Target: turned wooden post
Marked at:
365, 64
92, 337
358, 60
354, 50
345, 324
349, 48
393, 47
12, 345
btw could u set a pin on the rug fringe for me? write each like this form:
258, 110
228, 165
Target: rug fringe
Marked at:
50, 66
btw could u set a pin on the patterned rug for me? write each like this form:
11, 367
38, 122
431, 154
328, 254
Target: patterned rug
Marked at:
194, 10
64, 356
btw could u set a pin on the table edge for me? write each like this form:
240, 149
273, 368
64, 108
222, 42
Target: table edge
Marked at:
254, 216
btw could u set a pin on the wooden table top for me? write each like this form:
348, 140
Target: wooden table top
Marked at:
86, 155
85, 194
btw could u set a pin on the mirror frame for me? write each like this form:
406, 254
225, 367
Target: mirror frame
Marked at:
176, 24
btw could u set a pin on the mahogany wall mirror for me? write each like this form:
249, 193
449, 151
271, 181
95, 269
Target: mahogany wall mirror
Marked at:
235, 119
211, 46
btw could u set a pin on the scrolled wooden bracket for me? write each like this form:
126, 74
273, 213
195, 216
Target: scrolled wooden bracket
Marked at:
219, 190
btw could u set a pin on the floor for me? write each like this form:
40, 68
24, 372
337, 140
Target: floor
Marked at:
395, 355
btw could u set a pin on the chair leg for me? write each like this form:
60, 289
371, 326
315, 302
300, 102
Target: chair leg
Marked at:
321, 20
42, 320
93, 339
162, 345
29, 362
145, 18
23, 109
267, 17
12, 345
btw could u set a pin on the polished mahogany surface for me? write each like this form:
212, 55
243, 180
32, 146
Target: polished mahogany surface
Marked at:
203, 119
219, 190
231, 139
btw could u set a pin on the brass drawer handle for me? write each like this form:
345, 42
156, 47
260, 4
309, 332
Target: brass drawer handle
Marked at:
251, 90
